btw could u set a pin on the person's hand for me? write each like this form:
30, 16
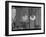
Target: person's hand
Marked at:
24, 18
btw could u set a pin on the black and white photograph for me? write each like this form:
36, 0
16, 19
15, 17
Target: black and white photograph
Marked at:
24, 18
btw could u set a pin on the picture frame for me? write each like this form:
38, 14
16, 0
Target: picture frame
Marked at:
11, 6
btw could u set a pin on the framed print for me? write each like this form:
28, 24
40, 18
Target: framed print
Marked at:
24, 18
